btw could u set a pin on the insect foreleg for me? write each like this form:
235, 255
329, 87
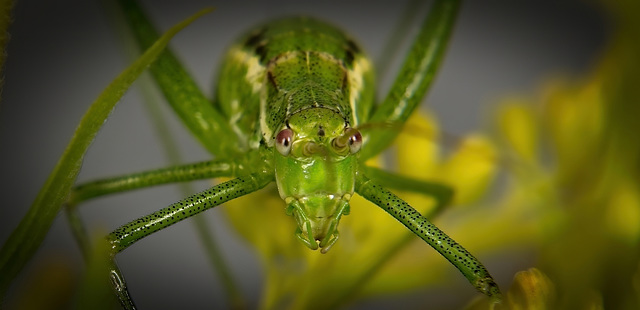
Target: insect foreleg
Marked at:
440, 192
183, 94
120, 286
182, 173
130, 233
470, 267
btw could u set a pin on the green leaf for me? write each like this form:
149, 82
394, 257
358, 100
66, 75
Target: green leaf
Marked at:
26, 238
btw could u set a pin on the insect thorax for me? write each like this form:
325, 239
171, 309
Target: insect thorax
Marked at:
287, 66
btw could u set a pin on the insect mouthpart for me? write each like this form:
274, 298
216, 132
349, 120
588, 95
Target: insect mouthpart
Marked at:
317, 217
311, 148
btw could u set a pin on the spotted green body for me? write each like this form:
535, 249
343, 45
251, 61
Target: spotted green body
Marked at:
305, 75
290, 65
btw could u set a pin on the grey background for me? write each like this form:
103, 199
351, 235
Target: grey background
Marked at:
63, 53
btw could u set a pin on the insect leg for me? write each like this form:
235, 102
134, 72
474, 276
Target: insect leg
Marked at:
206, 123
415, 76
130, 233
440, 192
468, 265
25, 239
182, 173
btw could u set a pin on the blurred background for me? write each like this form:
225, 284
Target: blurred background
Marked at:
63, 54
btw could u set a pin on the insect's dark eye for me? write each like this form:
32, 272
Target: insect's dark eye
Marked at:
350, 141
284, 140
355, 140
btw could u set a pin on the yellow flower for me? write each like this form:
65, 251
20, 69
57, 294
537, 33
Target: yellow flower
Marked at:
375, 254
531, 289
571, 196
577, 174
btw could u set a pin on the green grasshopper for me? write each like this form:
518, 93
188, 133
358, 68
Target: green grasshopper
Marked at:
295, 105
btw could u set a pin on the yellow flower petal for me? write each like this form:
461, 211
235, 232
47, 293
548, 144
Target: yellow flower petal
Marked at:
470, 169
518, 124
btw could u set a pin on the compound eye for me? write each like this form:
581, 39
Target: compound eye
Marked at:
284, 140
355, 140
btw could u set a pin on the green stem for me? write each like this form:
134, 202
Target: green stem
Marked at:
205, 234
26, 238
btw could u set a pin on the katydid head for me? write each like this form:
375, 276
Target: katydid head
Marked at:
315, 162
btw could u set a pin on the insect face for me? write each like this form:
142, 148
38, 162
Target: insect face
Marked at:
315, 173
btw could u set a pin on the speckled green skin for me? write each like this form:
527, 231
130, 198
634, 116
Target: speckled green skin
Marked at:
472, 269
278, 76
291, 65
308, 77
